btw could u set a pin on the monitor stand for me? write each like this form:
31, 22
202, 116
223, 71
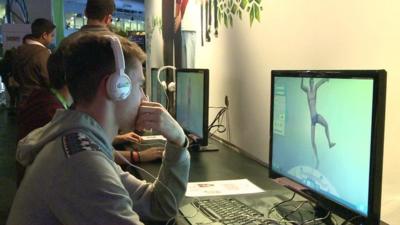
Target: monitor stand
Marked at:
208, 148
199, 148
196, 145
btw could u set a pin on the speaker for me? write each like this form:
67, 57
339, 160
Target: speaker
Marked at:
119, 85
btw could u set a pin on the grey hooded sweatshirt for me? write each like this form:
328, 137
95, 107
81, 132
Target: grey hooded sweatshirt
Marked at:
71, 178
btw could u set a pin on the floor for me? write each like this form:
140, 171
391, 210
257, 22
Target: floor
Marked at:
8, 134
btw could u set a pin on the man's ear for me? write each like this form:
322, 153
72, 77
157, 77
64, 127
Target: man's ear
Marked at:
103, 87
107, 19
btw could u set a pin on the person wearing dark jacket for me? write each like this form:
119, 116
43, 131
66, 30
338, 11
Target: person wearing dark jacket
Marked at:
7, 78
30, 61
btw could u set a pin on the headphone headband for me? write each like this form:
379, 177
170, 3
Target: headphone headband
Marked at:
119, 84
118, 53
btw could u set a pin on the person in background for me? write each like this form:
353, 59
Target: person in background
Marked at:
12, 86
30, 61
39, 107
99, 18
8, 80
127, 145
185, 32
72, 178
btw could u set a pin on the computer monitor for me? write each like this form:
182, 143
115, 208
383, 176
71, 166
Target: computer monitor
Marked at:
192, 104
326, 138
157, 92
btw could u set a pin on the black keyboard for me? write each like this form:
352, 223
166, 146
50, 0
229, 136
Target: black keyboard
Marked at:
229, 211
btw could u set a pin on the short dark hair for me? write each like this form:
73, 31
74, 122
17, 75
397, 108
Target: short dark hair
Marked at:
89, 59
98, 9
41, 26
55, 68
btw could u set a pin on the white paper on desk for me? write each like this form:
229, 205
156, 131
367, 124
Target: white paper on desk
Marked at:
221, 187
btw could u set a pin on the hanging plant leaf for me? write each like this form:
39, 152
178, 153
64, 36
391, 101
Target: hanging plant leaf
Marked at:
251, 15
234, 9
257, 13
228, 9
243, 4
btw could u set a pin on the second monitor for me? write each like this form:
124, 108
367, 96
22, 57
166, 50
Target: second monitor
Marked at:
192, 105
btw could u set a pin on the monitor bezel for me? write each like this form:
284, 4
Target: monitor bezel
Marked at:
156, 84
202, 141
377, 138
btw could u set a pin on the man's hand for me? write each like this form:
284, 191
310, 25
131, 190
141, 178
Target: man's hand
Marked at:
151, 154
153, 116
128, 137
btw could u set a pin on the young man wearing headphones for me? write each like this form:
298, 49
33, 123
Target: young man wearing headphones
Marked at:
99, 14
71, 177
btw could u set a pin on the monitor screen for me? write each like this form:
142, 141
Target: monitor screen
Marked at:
192, 102
157, 92
325, 130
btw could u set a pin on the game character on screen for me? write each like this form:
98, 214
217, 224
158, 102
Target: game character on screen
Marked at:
311, 92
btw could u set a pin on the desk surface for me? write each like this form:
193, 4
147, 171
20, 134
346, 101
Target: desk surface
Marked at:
224, 164
227, 164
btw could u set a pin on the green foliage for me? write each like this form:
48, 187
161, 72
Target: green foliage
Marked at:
234, 9
254, 14
228, 9
243, 4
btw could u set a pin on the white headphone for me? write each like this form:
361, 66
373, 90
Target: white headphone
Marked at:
119, 84
171, 86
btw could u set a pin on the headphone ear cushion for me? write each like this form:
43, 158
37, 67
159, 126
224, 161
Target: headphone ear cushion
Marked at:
164, 85
119, 86
171, 87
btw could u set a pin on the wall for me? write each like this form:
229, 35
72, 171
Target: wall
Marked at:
312, 34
